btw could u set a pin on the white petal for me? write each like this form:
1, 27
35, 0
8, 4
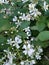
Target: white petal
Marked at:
25, 52
24, 47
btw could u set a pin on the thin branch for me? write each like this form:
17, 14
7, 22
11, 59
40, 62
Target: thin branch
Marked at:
46, 57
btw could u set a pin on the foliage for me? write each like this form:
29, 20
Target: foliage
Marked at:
24, 22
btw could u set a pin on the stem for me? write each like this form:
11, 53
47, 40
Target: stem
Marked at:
46, 57
19, 54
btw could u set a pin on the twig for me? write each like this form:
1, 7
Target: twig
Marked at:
46, 58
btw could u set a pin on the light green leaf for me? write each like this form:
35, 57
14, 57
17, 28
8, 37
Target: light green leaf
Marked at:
34, 28
40, 25
43, 36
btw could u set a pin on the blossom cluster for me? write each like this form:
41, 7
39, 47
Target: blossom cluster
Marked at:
22, 50
27, 53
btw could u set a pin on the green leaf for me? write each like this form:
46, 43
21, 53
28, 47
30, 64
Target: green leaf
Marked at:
43, 36
34, 28
41, 43
3, 44
4, 25
47, 1
41, 23
40, 26
24, 24
2, 39
22, 34
48, 24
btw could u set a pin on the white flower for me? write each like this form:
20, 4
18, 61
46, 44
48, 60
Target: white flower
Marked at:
18, 23
24, 1
8, 63
28, 17
17, 45
14, 19
22, 62
15, 42
6, 32
38, 57
32, 38
27, 62
10, 57
10, 41
45, 6
40, 50
31, 7
35, 13
18, 39
27, 30
20, 13
12, 3
4, 1
28, 50
32, 62
25, 17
